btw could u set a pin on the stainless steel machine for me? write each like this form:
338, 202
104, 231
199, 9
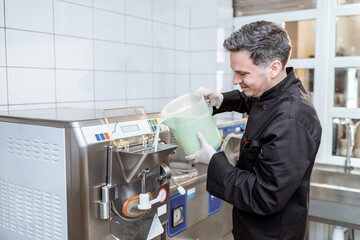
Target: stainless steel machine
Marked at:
83, 174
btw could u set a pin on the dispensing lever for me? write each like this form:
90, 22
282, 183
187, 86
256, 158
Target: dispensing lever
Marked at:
167, 174
181, 190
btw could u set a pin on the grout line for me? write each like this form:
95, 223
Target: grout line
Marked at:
93, 43
6, 61
126, 57
152, 55
98, 39
53, 5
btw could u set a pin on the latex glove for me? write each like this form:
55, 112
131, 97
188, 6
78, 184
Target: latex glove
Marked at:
213, 98
205, 154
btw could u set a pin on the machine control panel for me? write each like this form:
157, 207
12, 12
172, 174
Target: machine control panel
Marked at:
119, 130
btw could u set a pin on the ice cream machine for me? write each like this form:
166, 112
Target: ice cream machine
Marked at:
83, 174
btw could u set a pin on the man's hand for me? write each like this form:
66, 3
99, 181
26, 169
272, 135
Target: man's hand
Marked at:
205, 154
213, 98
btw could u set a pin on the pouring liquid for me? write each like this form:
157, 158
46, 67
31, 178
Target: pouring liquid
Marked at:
157, 132
185, 131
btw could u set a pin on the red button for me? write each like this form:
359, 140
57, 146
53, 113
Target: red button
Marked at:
156, 121
107, 136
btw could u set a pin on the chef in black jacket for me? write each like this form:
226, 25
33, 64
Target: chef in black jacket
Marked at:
269, 186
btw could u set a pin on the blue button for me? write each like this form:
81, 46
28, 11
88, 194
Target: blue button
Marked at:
97, 137
102, 136
154, 128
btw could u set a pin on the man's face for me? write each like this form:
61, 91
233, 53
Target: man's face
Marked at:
254, 80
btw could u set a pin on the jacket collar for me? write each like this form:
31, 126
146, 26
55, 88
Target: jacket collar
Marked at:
284, 84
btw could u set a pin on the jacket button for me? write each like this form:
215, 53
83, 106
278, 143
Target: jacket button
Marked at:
265, 106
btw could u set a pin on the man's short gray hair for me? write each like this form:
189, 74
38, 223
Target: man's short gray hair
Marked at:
266, 42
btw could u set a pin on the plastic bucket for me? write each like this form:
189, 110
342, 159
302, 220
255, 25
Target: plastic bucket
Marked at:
187, 115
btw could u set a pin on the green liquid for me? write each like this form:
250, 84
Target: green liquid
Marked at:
185, 131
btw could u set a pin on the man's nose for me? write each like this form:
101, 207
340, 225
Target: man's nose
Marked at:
236, 80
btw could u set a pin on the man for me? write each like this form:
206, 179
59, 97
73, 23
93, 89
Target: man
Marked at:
269, 186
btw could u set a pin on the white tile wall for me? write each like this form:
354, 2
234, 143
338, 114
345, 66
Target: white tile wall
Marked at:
110, 86
223, 62
163, 85
139, 8
110, 104
81, 82
139, 85
182, 38
138, 31
138, 58
104, 19
182, 14
87, 3
163, 60
76, 105
199, 19
111, 5
31, 86
31, 106
205, 80
182, 62
225, 17
109, 56
159, 103
29, 49
73, 20
3, 86
2, 17
2, 47
36, 15
146, 103
164, 11
203, 39
203, 62
182, 84
163, 35
106, 53
73, 53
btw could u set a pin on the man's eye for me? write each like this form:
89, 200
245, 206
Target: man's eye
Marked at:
242, 74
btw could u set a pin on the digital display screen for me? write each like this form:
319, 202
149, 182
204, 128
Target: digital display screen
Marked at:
130, 128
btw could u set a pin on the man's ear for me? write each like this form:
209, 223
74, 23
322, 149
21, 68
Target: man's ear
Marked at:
275, 69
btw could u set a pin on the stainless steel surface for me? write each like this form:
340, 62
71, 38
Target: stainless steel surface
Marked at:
216, 227
335, 196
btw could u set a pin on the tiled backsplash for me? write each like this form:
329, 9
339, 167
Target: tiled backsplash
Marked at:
110, 53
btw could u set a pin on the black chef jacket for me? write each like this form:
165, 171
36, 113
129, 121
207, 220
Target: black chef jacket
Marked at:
269, 187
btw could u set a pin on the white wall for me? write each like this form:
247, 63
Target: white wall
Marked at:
108, 53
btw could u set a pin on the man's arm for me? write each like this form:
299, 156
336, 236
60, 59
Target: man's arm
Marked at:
235, 101
280, 166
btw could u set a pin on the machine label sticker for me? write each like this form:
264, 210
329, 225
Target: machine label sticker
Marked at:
161, 210
191, 193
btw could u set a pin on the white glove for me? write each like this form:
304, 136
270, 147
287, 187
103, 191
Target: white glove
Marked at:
205, 154
213, 98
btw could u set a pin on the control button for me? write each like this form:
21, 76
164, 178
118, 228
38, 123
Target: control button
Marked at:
107, 136
97, 137
156, 121
102, 136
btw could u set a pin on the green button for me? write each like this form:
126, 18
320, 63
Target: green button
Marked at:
153, 122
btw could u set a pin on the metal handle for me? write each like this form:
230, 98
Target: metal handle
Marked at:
179, 188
